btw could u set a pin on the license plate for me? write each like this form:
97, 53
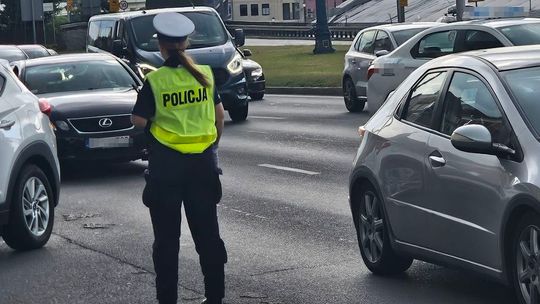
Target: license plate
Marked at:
109, 142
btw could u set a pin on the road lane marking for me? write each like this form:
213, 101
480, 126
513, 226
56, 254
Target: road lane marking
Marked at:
289, 169
267, 117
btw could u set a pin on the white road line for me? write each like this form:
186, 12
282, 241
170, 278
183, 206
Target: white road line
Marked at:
267, 117
289, 169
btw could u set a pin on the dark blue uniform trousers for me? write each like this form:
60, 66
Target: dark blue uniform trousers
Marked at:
174, 179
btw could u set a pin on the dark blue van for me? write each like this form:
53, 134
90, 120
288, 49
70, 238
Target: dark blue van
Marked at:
130, 35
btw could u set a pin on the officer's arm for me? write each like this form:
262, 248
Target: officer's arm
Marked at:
139, 122
220, 118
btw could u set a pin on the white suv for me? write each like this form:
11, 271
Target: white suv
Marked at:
29, 167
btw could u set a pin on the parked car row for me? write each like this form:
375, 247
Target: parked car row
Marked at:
445, 169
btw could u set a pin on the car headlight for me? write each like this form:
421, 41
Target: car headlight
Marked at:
62, 125
257, 73
235, 65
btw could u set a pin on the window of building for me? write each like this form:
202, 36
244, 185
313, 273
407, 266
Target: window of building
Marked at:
286, 11
254, 10
266, 9
243, 10
296, 11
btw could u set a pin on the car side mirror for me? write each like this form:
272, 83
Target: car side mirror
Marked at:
118, 48
239, 37
473, 139
381, 53
248, 53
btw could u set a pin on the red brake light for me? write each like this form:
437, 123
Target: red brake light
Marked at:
45, 107
371, 70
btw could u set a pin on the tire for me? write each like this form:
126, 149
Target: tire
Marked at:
520, 246
257, 96
373, 238
18, 234
239, 114
351, 99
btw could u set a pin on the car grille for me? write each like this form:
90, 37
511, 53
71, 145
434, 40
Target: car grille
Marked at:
221, 76
92, 124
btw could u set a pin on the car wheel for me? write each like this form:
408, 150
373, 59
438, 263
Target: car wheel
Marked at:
239, 114
373, 237
351, 99
525, 259
256, 96
31, 216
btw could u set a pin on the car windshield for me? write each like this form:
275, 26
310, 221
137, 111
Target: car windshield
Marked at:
404, 35
77, 76
209, 31
35, 52
522, 34
12, 54
525, 86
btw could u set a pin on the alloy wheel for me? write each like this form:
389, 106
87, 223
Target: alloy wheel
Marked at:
371, 227
528, 264
348, 94
35, 203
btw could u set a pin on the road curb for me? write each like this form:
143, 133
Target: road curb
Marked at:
322, 91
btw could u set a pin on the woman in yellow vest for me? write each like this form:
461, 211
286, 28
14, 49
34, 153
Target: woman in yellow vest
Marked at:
181, 111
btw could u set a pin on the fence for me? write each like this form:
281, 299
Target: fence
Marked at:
345, 32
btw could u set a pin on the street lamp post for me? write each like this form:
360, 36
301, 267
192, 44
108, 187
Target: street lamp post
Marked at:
323, 41
305, 14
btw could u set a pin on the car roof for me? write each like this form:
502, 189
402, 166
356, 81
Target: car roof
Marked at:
28, 46
132, 14
393, 27
492, 23
509, 58
9, 46
68, 58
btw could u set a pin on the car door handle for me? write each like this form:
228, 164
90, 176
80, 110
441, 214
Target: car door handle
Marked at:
6, 124
437, 161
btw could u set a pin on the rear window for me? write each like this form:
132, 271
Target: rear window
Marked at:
35, 52
522, 34
12, 54
78, 76
404, 35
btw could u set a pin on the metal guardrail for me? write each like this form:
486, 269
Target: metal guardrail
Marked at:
345, 32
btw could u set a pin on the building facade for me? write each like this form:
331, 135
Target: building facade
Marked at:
268, 10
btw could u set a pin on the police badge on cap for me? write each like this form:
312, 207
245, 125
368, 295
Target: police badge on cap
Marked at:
173, 27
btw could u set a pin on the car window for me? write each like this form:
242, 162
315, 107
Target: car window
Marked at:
35, 51
423, 99
522, 34
366, 42
404, 35
477, 40
93, 32
357, 43
469, 101
78, 76
436, 44
2, 84
525, 87
383, 42
105, 36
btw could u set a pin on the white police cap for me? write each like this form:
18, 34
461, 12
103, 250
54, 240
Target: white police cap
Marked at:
173, 25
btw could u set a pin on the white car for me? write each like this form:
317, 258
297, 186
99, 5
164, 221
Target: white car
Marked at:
368, 44
29, 167
387, 72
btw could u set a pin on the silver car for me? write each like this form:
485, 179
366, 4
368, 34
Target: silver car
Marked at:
387, 72
368, 44
448, 170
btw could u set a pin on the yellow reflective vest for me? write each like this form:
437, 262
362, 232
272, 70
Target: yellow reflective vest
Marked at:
185, 110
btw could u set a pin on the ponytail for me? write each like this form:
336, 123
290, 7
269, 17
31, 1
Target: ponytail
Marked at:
188, 63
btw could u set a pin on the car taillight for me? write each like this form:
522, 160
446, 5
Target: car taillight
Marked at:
371, 70
45, 107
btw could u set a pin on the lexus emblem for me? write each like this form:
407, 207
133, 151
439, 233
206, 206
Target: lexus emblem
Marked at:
105, 122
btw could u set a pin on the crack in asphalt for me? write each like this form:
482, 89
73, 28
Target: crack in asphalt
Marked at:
140, 269
297, 268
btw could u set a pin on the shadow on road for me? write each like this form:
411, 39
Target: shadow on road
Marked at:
85, 171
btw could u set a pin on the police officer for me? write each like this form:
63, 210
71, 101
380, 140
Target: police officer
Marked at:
183, 115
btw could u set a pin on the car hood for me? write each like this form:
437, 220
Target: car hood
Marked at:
216, 57
91, 103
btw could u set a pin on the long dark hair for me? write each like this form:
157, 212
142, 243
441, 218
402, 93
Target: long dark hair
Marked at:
182, 58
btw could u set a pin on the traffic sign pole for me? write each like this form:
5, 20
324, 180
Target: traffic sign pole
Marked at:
33, 20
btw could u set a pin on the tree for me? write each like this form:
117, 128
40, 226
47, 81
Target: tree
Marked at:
10, 22
151, 4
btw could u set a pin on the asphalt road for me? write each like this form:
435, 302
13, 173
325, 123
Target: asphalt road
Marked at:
284, 217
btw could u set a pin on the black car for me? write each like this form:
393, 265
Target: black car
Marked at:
22, 52
91, 97
254, 76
